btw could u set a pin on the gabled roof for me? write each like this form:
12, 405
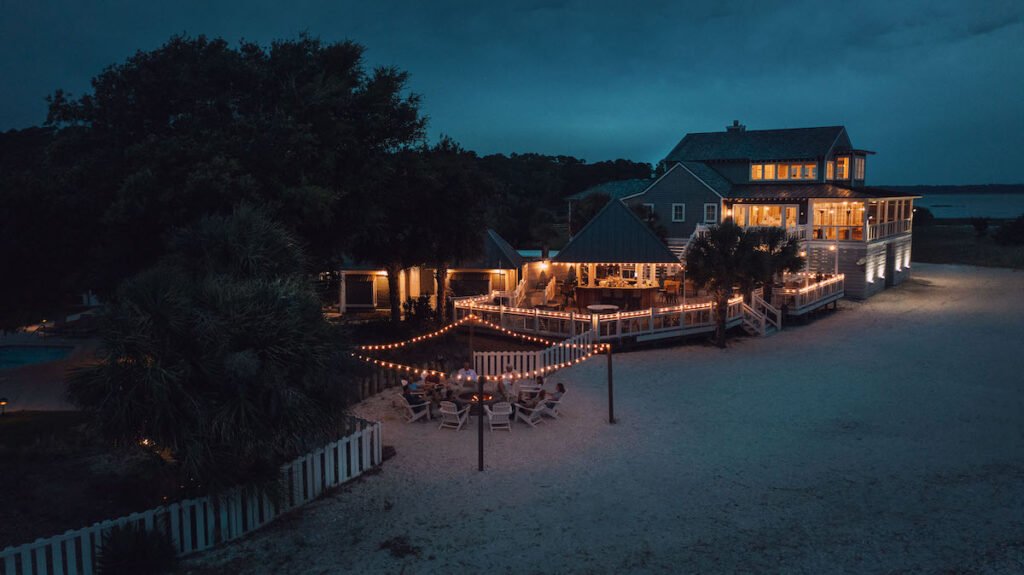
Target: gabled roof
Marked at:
805, 191
615, 190
709, 176
497, 254
788, 144
616, 234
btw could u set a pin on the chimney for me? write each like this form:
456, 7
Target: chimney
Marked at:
736, 127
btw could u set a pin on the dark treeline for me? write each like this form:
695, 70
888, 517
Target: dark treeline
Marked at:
960, 189
330, 150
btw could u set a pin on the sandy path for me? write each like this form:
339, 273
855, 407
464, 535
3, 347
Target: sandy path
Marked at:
885, 438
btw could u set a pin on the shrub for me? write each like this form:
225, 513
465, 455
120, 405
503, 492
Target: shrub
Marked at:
136, 551
418, 310
980, 226
923, 216
1011, 233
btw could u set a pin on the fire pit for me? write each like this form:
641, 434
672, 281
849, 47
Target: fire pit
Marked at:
470, 398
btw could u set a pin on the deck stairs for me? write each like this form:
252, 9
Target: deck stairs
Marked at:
760, 318
678, 246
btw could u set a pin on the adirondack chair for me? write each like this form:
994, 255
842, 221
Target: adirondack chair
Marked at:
452, 417
500, 417
415, 412
529, 415
550, 407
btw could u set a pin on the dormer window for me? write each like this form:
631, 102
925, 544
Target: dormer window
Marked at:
858, 168
783, 171
843, 168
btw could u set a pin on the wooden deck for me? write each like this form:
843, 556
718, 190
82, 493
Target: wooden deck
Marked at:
650, 324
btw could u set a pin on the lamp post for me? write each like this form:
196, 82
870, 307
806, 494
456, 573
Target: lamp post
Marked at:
480, 420
3, 406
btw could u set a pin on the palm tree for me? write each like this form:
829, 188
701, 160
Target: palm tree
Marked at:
219, 354
776, 252
717, 261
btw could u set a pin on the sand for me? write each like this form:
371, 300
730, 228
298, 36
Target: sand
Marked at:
887, 437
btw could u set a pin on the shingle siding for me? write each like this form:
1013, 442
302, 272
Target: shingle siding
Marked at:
677, 186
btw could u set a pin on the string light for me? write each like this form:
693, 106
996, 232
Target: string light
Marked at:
416, 339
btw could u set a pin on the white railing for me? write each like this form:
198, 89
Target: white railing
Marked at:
531, 363
799, 300
549, 290
519, 294
684, 319
772, 314
876, 231
666, 321
202, 523
754, 320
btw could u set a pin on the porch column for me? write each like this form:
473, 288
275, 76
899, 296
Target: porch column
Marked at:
591, 272
341, 295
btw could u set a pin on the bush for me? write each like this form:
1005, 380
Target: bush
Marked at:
1011, 233
136, 551
418, 310
980, 226
923, 216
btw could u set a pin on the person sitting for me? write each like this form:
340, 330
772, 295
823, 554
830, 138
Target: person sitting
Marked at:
413, 399
507, 383
555, 395
466, 374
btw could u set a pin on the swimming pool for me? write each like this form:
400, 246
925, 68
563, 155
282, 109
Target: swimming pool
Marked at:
19, 355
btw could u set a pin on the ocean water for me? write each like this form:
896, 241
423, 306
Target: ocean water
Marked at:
973, 205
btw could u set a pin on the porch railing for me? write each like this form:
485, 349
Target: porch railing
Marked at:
799, 300
876, 231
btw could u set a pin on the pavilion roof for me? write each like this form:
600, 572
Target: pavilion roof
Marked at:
616, 234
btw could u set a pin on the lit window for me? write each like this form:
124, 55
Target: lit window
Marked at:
830, 171
810, 171
783, 171
710, 213
678, 212
843, 168
756, 171
858, 168
769, 171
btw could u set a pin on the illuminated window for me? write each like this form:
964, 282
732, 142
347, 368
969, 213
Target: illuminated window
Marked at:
809, 172
678, 212
843, 168
830, 171
858, 168
769, 171
756, 171
783, 172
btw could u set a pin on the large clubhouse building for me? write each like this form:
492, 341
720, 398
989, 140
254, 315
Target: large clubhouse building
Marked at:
810, 181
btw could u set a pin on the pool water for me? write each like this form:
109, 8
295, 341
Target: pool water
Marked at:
19, 355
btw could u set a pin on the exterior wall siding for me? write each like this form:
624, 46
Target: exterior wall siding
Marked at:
678, 186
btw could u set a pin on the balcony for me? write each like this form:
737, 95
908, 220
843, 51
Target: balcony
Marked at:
884, 230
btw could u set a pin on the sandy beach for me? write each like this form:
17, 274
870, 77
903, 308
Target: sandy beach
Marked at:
887, 437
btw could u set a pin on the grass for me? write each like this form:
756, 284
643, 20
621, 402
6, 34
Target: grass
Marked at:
958, 244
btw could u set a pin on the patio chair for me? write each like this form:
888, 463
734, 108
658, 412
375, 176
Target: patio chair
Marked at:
528, 390
415, 412
500, 417
529, 415
452, 416
551, 407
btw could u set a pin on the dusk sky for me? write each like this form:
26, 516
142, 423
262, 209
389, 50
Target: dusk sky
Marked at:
935, 88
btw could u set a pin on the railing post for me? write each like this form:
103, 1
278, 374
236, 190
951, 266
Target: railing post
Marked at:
572, 324
536, 320
501, 315
650, 326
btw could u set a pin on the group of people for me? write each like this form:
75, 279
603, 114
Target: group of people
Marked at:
436, 388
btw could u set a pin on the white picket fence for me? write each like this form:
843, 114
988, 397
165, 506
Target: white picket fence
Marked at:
528, 363
202, 523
